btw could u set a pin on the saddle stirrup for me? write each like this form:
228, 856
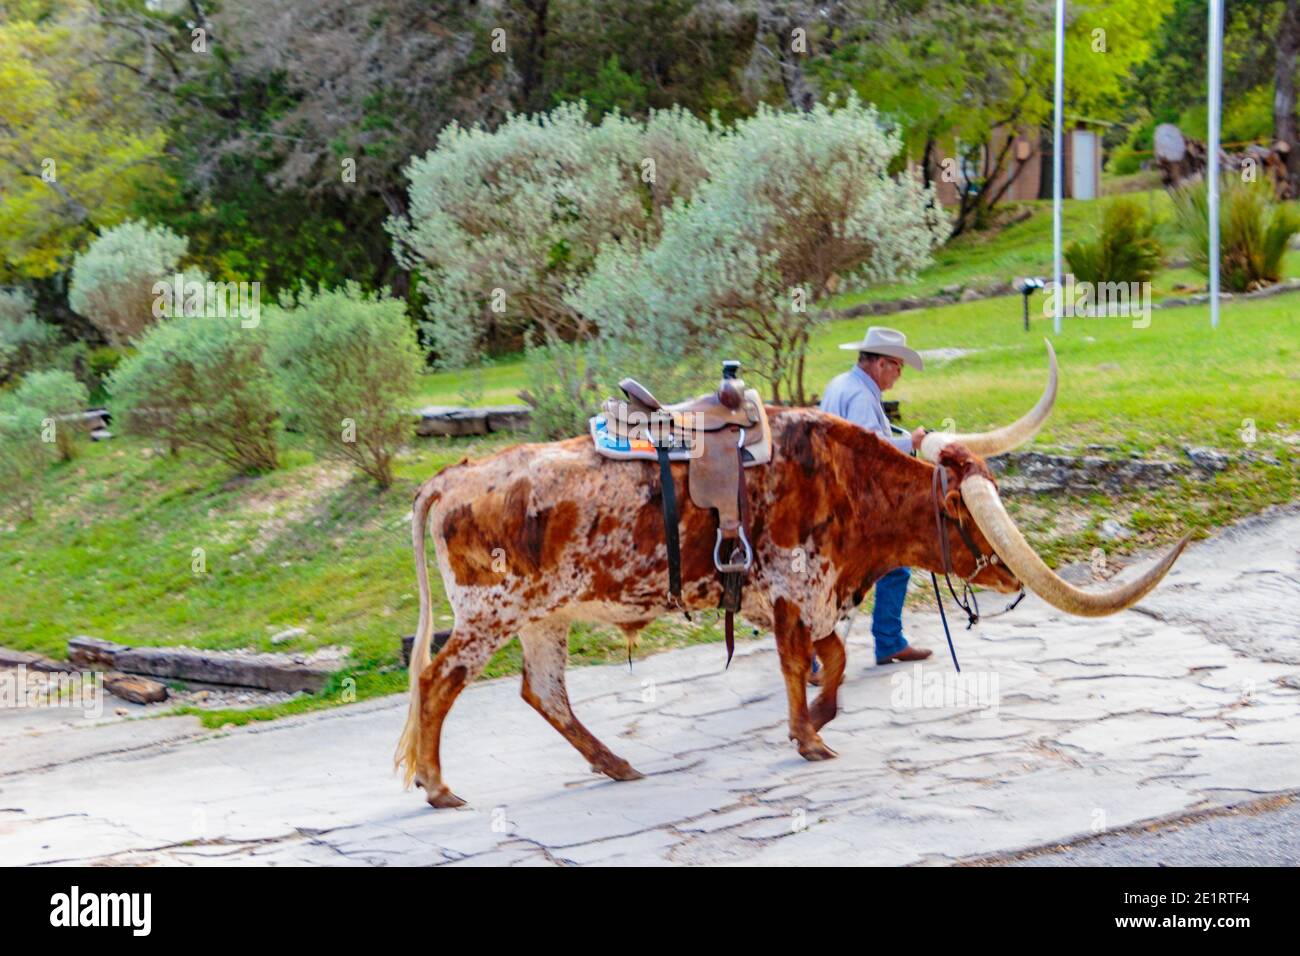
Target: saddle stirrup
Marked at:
743, 565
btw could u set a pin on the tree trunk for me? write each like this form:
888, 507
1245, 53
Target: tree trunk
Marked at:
1284, 115
533, 68
792, 76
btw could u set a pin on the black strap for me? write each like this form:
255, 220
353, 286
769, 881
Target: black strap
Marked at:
970, 605
938, 599
732, 581
669, 493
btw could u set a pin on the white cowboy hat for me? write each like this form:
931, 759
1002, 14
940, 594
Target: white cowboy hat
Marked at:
889, 342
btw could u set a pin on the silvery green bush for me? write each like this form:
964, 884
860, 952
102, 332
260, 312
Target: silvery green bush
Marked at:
347, 366
796, 204
23, 457
113, 280
503, 223
25, 341
201, 382
55, 394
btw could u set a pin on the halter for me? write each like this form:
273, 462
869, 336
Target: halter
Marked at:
967, 601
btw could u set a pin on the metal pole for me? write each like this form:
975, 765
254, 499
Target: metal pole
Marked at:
1214, 100
1056, 164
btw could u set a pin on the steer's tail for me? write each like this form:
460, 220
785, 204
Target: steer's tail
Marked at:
409, 743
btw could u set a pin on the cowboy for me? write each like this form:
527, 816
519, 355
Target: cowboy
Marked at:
855, 395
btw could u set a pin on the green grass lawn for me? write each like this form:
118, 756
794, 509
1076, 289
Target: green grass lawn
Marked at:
113, 554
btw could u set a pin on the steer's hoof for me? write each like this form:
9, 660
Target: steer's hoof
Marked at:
444, 799
618, 770
627, 772
816, 750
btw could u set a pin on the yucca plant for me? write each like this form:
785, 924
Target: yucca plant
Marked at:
1125, 248
1254, 230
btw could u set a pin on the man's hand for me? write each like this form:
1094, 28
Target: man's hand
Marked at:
917, 437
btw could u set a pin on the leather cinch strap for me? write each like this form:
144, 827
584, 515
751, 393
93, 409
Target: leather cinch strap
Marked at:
729, 629
669, 494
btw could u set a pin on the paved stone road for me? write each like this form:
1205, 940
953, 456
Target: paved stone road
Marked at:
1191, 701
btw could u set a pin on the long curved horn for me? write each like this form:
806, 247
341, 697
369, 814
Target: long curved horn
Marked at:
1008, 436
985, 506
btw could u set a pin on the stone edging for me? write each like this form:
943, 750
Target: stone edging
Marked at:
950, 295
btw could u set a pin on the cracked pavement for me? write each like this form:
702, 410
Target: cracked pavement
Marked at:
1077, 727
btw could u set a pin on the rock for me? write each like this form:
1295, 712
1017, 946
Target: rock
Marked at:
36, 662
265, 671
450, 422
94, 652
285, 636
1209, 460
952, 291
1032, 472
1112, 530
121, 712
509, 418
439, 639
137, 690
970, 295
1259, 457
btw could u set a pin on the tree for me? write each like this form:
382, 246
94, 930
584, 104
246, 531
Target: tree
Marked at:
75, 147
23, 456
1284, 102
56, 396
347, 365
25, 341
203, 383
503, 223
113, 280
795, 203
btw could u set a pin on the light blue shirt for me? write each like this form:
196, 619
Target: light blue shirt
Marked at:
855, 395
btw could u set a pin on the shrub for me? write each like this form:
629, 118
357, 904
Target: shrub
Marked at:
54, 394
23, 456
502, 223
100, 363
1124, 249
562, 390
113, 280
346, 367
1254, 230
200, 382
25, 341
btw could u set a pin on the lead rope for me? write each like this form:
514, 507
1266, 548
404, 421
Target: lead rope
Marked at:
938, 598
970, 604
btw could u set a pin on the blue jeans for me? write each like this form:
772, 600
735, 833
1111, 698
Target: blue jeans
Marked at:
887, 616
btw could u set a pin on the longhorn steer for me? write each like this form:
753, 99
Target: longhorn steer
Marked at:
539, 536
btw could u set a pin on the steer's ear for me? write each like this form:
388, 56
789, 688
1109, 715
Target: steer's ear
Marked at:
952, 504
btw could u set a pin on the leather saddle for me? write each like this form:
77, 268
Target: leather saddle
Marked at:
719, 435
